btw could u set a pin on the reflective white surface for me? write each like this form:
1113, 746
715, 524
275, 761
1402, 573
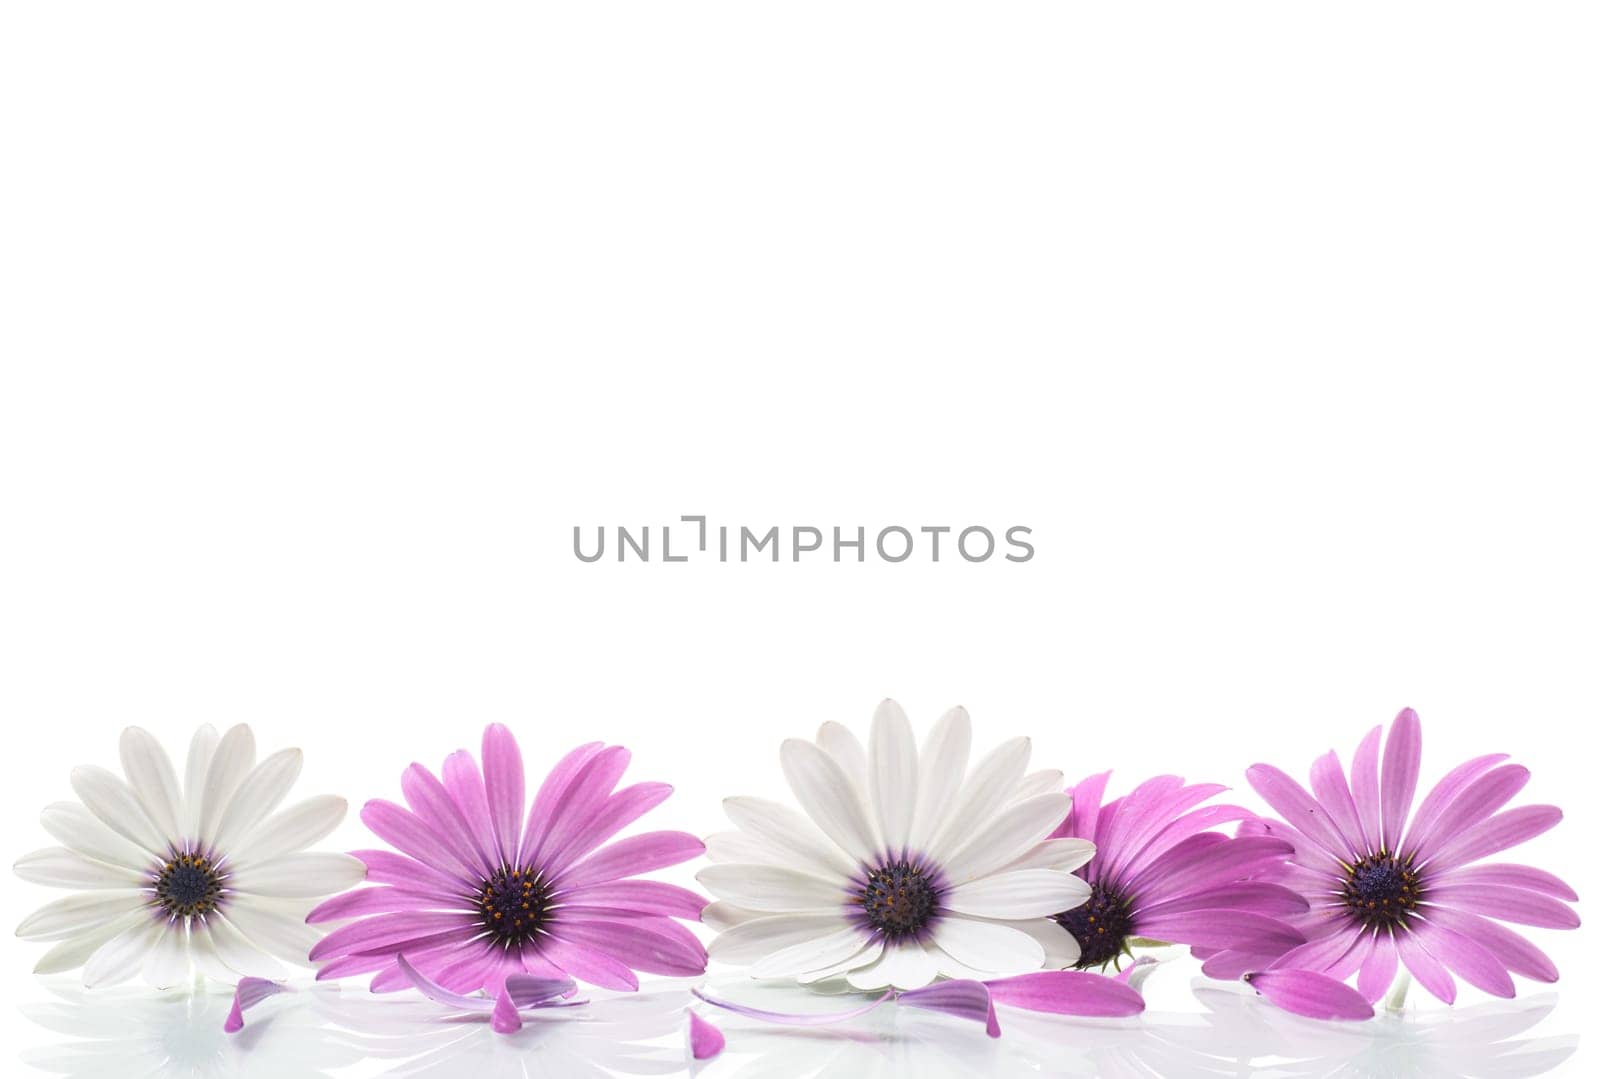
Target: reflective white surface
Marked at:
334, 1031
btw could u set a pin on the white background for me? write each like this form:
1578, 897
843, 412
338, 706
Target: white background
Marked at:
323, 324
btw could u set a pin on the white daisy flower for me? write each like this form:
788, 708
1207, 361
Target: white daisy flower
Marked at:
904, 867
177, 878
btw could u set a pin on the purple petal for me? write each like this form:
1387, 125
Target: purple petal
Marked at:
531, 990
502, 784
632, 856
615, 813
407, 833
644, 896
1507, 904
246, 995
1297, 807
1204, 858
437, 993
1499, 832
1230, 965
387, 867
1469, 960
651, 945
1378, 970
1086, 799
1472, 806
372, 934
588, 964
1257, 896
582, 800
1515, 876
1429, 972
963, 998
1223, 929
432, 804
1313, 995
547, 802
1402, 760
364, 901
464, 783
792, 1019
1067, 992
705, 1040
1515, 951
504, 1019
1332, 791
1364, 786
1446, 790
1337, 955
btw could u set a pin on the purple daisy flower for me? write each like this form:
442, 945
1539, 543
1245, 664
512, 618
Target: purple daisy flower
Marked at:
475, 895
1388, 886
1161, 873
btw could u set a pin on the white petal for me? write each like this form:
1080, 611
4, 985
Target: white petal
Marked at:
271, 929
236, 953
816, 954
202, 747
772, 887
1007, 837
1066, 853
113, 803
79, 913
940, 768
790, 832
296, 828
987, 946
75, 828
1024, 893
233, 759
168, 963
862, 958
63, 868
1048, 781
154, 782
720, 917
985, 792
892, 775
829, 797
1060, 947
844, 747
203, 954
904, 965
741, 847
303, 876
751, 940
72, 953
262, 790
121, 957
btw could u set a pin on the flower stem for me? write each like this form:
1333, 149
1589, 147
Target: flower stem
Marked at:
1397, 995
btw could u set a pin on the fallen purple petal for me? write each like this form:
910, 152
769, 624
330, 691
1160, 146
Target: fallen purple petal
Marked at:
246, 995
705, 1040
1068, 992
964, 999
1307, 993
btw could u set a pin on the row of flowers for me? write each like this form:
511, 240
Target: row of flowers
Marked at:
910, 873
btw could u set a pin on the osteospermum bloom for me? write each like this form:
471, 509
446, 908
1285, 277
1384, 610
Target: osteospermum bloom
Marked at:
177, 876
904, 866
473, 893
1161, 872
1389, 886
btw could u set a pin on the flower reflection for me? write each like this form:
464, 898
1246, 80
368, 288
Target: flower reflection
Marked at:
136, 1032
639, 1033
1483, 1040
323, 1031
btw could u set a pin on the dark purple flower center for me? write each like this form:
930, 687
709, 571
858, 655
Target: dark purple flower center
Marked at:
899, 899
514, 903
187, 885
1382, 891
1100, 926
